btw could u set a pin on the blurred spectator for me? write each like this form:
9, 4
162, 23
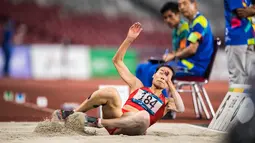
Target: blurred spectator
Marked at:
66, 42
7, 44
240, 40
172, 17
196, 56
20, 34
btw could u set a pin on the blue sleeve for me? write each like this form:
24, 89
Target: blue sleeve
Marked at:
235, 4
199, 29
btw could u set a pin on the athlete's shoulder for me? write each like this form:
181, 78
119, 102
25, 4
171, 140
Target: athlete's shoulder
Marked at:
141, 88
145, 88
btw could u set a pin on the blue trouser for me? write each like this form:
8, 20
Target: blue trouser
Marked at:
145, 71
142, 71
7, 52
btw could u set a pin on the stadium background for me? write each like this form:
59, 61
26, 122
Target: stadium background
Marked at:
43, 66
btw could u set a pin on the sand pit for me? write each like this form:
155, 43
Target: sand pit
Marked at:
74, 125
52, 132
73, 131
75, 122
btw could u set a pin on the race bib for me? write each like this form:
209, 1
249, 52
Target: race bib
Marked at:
151, 103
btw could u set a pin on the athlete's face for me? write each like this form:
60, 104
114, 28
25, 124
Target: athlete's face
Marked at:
161, 77
171, 19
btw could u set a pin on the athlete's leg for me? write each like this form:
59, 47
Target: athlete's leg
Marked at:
135, 124
109, 98
132, 124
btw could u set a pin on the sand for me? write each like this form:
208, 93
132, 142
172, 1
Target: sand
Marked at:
73, 131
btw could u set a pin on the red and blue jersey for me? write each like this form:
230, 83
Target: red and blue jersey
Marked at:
144, 99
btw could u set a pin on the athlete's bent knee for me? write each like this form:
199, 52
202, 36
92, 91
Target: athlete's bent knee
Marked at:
143, 119
109, 91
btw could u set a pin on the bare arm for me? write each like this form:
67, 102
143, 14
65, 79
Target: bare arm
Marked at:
177, 98
122, 69
245, 12
174, 103
189, 51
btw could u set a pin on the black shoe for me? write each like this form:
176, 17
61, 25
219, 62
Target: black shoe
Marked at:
62, 114
92, 122
169, 115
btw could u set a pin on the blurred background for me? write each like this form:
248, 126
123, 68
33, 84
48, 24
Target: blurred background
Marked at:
63, 50
99, 26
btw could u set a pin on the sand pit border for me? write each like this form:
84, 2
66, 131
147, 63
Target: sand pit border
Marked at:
205, 128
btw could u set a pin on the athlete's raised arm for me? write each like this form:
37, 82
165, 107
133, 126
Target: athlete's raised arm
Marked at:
124, 72
176, 98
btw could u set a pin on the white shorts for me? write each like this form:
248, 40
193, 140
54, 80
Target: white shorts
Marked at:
241, 63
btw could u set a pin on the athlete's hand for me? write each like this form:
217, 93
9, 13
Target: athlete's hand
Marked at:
134, 31
169, 81
171, 105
